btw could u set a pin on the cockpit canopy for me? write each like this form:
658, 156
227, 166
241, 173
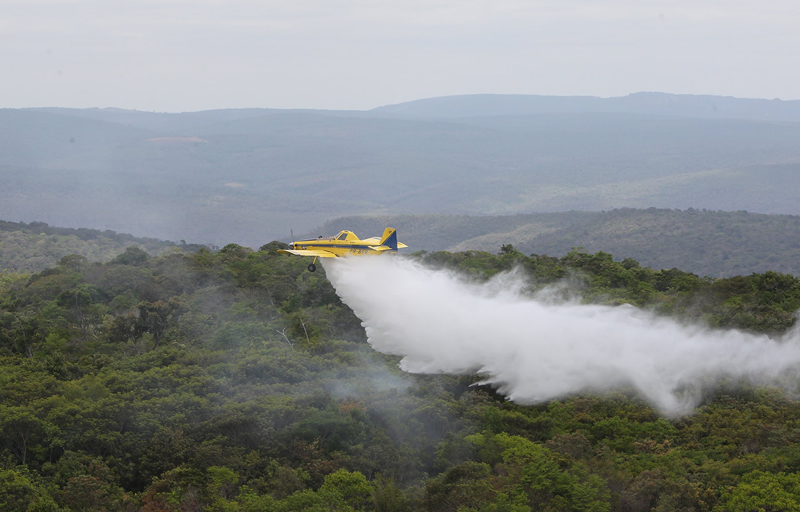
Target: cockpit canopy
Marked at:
346, 235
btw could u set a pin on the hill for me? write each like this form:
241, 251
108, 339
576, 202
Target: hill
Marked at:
708, 243
254, 175
36, 246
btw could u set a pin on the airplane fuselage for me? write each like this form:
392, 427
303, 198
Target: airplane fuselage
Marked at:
344, 244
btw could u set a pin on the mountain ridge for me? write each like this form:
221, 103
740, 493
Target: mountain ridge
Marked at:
488, 104
687, 105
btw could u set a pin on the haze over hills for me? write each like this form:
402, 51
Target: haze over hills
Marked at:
651, 103
253, 175
708, 243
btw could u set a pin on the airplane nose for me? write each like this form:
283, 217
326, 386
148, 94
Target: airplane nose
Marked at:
291, 246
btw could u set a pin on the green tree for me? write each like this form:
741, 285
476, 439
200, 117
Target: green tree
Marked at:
81, 302
221, 488
346, 490
464, 485
133, 256
19, 494
156, 317
96, 490
764, 492
22, 431
387, 496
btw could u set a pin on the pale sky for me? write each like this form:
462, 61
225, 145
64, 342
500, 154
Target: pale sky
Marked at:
184, 55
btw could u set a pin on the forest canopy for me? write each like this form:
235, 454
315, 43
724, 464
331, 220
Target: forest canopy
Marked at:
237, 380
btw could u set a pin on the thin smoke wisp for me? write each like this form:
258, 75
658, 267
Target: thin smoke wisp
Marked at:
534, 350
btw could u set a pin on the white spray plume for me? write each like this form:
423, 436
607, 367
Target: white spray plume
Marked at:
535, 350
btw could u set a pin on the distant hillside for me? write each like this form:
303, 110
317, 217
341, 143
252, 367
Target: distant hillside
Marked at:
36, 246
682, 105
708, 243
253, 175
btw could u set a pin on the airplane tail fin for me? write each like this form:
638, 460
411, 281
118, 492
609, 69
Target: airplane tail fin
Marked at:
389, 238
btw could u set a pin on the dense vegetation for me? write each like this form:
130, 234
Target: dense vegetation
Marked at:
237, 381
707, 243
35, 246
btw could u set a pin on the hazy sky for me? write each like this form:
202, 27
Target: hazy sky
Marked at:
178, 55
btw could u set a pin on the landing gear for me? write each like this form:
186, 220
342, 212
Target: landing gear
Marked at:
312, 267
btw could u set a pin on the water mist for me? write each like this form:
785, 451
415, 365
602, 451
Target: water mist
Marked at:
534, 350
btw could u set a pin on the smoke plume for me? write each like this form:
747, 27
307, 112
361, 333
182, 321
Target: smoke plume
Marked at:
534, 349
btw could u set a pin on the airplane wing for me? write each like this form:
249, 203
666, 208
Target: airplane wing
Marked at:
316, 253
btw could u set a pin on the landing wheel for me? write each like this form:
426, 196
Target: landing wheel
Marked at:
312, 267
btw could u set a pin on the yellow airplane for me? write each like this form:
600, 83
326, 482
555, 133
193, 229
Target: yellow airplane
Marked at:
343, 244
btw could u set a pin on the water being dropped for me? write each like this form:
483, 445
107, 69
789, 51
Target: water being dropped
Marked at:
535, 349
